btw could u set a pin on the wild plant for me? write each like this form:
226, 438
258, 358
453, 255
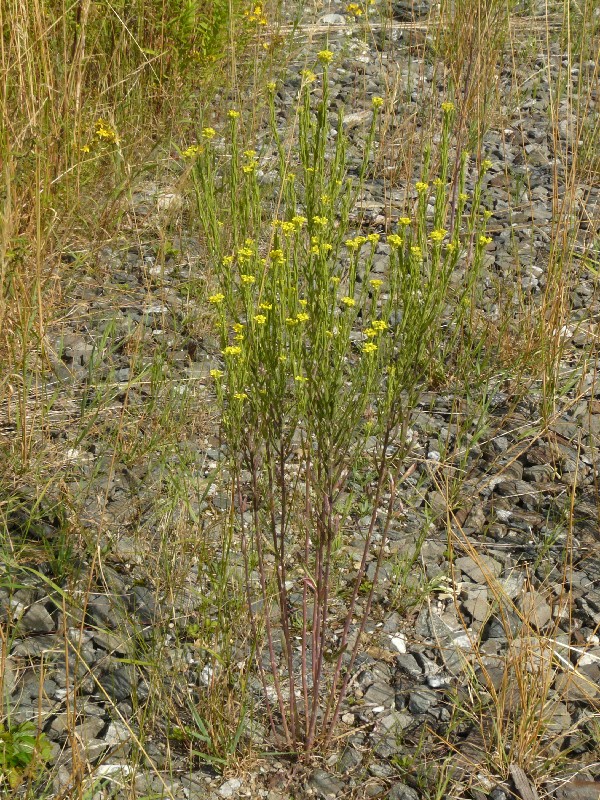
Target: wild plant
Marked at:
323, 358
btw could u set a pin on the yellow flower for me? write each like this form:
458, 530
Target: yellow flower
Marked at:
308, 75
373, 238
437, 235
240, 395
248, 169
209, 133
447, 107
303, 302
288, 228
321, 221
233, 114
377, 102
404, 220
283, 359
370, 332
216, 298
301, 379
227, 261
302, 317
463, 197
105, 132
483, 240
238, 327
394, 240
299, 221
376, 283
325, 56
420, 186
369, 347
416, 252
326, 247
85, 148
276, 255
291, 321
335, 280
349, 301
192, 151
485, 165
260, 319
379, 324
315, 250
266, 306
248, 278
271, 86
216, 373
451, 247
354, 9
487, 213
232, 350
239, 337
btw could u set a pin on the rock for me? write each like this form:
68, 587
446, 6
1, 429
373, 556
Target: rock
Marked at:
408, 10
399, 642
479, 570
36, 620
400, 791
119, 683
324, 784
578, 790
583, 685
380, 694
229, 788
535, 610
333, 19
421, 700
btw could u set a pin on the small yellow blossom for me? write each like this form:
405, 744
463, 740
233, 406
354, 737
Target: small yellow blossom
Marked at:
379, 324
232, 350
447, 107
85, 148
303, 302
486, 164
192, 151
283, 359
299, 221
209, 133
376, 283
416, 251
335, 280
463, 197
404, 220
308, 75
438, 183
315, 250
266, 306
483, 240
325, 56
216, 373
300, 379
421, 187
394, 240
369, 347
227, 261
326, 247
216, 298
239, 337
302, 317
271, 86
260, 319
349, 301
105, 132
377, 102
233, 114
248, 169
248, 279
321, 221
373, 238
487, 213
324, 198
354, 9
238, 327
291, 321
451, 247
288, 228
370, 332
276, 255
240, 395
437, 235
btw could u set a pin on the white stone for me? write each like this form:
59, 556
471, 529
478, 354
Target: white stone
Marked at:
399, 642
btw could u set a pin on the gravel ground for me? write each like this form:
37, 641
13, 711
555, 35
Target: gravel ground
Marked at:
445, 642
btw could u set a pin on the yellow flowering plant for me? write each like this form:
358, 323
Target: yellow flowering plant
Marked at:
316, 360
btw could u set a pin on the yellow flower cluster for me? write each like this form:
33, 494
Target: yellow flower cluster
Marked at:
377, 102
320, 221
369, 347
376, 283
232, 350
308, 76
216, 373
483, 240
260, 319
192, 151
350, 302
248, 279
404, 221
208, 133
105, 132
416, 252
325, 56
216, 298
356, 243
437, 235
233, 114
256, 14
447, 107
394, 240
354, 9
421, 187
